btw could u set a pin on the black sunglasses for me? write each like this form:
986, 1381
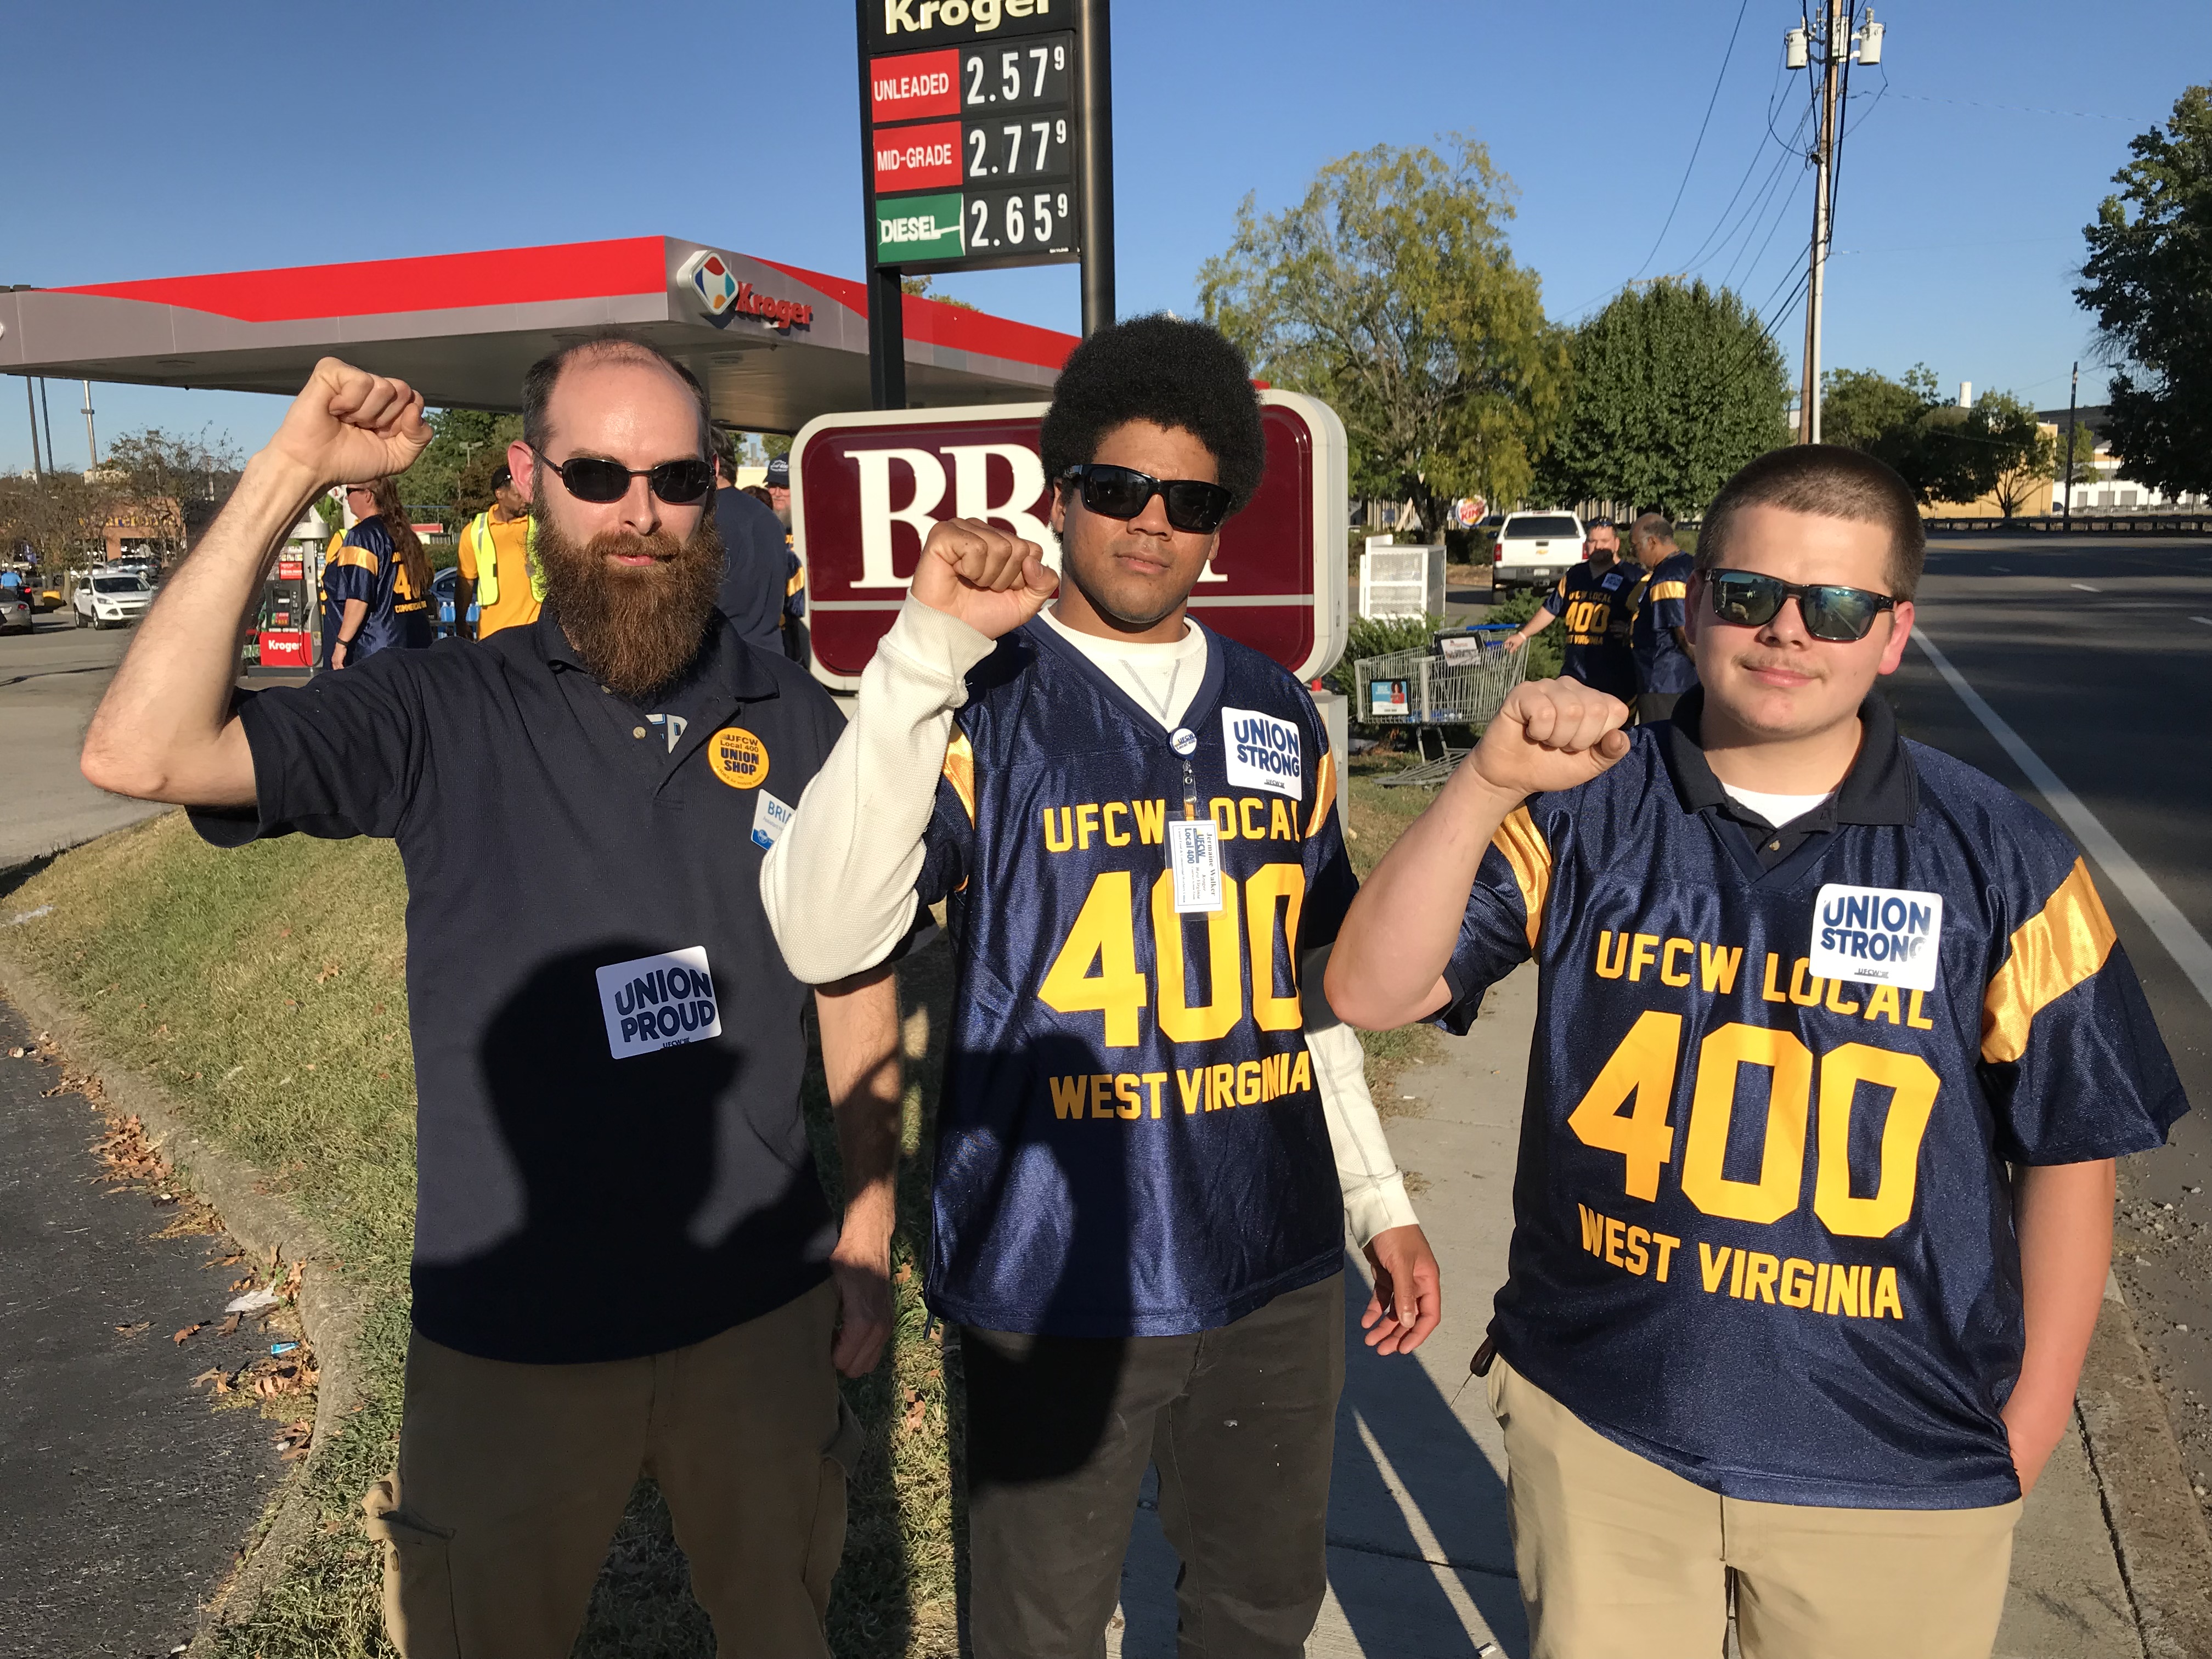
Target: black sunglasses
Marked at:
1121, 492
1746, 598
589, 479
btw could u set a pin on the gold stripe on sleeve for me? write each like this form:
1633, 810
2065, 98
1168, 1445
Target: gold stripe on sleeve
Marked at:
960, 770
1526, 850
1667, 591
2052, 952
1324, 795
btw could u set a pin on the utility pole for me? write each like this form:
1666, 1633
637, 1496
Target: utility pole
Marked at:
91, 444
30, 402
1835, 47
2073, 397
1823, 162
45, 404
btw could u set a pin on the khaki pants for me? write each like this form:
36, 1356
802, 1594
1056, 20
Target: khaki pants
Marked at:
511, 1480
1621, 1558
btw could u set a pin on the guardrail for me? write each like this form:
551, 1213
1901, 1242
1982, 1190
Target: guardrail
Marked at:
2101, 523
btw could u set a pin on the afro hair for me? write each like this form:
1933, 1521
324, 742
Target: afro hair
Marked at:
1167, 371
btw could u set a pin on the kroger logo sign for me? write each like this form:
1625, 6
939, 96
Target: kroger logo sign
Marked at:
720, 294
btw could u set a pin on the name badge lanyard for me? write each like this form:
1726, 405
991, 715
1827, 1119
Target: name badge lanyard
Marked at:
1195, 854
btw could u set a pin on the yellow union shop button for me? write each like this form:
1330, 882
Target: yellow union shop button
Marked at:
739, 758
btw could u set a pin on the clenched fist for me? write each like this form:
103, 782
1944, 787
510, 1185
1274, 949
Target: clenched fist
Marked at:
992, 580
1551, 735
349, 425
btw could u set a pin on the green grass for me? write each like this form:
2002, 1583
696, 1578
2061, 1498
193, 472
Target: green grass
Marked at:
264, 989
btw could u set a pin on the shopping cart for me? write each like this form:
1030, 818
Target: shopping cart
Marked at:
1462, 680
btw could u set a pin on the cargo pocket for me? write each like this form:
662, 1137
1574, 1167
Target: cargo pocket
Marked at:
825, 1546
418, 1579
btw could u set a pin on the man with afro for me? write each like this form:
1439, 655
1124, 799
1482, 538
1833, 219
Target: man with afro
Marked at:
1152, 1131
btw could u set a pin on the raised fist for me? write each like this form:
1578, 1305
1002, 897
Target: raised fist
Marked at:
992, 580
1551, 735
349, 425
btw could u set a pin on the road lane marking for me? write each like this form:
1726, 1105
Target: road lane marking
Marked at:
2207, 620
2002, 569
2188, 948
2085, 588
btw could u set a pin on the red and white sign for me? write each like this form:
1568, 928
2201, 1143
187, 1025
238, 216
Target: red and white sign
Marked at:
866, 488
917, 158
285, 648
909, 88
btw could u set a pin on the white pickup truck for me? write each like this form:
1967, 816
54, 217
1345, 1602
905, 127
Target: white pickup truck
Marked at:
1534, 549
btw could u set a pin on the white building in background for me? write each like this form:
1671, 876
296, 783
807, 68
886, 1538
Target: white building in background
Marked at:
2098, 488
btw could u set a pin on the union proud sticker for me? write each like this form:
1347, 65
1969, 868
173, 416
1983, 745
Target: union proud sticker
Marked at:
739, 758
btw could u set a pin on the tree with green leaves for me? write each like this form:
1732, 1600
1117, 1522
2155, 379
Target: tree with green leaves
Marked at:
1672, 387
2148, 277
1946, 454
1391, 294
467, 446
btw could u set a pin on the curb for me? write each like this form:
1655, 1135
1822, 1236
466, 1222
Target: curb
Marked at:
2157, 1524
331, 1311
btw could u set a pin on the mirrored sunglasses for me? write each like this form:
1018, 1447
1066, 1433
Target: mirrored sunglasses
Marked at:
1746, 598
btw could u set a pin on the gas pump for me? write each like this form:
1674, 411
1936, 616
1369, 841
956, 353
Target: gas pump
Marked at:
284, 632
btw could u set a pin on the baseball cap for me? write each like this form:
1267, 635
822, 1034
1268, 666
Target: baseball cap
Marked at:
779, 473
503, 478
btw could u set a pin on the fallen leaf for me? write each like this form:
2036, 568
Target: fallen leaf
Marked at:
133, 1330
18, 1051
179, 1337
229, 1327
905, 1273
917, 1408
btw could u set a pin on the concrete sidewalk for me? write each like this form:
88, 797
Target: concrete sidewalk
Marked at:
1421, 1564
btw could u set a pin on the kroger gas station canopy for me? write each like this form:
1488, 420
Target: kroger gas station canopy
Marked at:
774, 344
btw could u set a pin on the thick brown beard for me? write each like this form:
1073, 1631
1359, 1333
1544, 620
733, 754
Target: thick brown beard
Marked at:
637, 628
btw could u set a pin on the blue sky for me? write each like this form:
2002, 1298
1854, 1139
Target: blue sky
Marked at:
153, 140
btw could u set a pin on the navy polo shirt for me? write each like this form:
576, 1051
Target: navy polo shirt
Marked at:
610, 1156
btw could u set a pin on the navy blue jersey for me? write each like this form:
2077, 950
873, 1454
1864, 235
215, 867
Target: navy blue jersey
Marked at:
1762, 1220
1662, 665
1596, 607
1129, 1141
368, 567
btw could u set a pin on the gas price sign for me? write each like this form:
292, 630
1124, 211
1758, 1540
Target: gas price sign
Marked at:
973, 140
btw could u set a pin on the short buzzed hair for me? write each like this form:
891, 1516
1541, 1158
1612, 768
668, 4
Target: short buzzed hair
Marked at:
609, 345
1827, 481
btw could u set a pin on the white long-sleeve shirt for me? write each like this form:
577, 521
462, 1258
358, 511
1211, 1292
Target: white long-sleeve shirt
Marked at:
839, 883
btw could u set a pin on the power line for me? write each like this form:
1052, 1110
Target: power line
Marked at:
2019, 109
1690, 164
1759, 154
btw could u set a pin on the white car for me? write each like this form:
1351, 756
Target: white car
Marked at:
104, 600
1534, 549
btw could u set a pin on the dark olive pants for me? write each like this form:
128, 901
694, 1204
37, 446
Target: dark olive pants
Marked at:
513, 1478
1241, 1424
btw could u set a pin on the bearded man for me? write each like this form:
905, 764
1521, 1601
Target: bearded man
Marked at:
623, 1259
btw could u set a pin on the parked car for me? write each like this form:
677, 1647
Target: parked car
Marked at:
1534, 549
444, 585
15, 614
104, 600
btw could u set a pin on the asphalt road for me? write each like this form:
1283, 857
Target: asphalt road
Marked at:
50, 681
2098, 655
123, 1495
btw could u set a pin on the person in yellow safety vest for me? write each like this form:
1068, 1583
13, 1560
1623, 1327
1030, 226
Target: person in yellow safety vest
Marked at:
499, 564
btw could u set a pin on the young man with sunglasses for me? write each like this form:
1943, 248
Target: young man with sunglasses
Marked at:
1151, 1130
1815, 1201
622, 1261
